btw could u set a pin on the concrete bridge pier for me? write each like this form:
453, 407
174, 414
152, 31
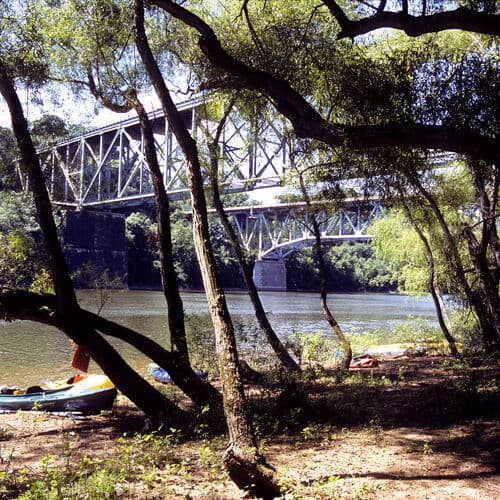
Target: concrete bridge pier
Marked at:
97, 238
270, 275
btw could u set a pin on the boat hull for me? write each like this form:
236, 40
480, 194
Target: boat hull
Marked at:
68, 400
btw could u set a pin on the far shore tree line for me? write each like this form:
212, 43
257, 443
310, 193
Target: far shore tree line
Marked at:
354, 103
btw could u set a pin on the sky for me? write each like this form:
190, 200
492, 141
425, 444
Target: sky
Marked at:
71, 110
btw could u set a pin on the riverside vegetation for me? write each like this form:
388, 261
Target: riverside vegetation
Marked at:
356, 106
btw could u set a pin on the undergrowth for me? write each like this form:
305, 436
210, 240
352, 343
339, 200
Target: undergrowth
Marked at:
136, 469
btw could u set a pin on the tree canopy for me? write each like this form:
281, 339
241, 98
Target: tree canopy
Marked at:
252, 65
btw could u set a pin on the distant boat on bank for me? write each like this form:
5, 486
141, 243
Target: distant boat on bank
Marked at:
161, 375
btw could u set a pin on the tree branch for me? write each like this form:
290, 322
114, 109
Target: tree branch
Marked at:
18, 304
308, 123
462, 18
99, 94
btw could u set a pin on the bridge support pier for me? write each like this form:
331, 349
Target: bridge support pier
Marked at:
97, 238
270, 275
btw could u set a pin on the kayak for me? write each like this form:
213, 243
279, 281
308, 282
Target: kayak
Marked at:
161, 375
88, 396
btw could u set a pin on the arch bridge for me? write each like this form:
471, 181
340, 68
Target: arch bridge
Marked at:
273, 232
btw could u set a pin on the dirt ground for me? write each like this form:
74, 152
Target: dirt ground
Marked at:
411, 428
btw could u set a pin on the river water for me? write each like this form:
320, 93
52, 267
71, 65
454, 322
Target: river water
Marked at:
31, 353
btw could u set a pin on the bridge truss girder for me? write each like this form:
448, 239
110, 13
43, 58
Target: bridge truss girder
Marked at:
107, 167
275, 232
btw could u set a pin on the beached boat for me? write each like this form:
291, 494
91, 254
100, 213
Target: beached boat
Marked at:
88, 396
161, 375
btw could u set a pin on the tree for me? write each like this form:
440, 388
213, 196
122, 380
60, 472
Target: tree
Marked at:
47, 130
404, 244
63, 310
415, 17
323, 289
67, 314
21, 251
8, 175
99, 60
420, 94
241, 458
432, 287
142, 250
286, 361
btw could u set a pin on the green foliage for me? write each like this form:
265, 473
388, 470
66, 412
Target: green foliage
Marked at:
21, 252
48, 130
142, 249
100, 281
354, 266
140, 459
143, 253
467, 329
8, 152
398, 245
17, 212
349, 267
14, 258
313, 348
21, 43
42, 282
184, 254
416, 333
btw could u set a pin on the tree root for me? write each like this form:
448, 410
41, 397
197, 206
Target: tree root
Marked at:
250, 473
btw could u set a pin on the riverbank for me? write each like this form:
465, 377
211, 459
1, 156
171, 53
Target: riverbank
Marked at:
411, 428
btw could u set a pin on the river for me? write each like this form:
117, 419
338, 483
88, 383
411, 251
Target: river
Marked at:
31, 353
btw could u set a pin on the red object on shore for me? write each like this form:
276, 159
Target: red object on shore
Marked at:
365, 361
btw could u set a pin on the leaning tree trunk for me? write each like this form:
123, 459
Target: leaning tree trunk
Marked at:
489, 288
199, 390
487, 193
241, 457
279, 349
25, 305
167, 269
346, 346
431, 286
488, 270
67, 309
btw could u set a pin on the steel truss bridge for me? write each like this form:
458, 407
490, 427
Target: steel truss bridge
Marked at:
273, 232
105, 170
